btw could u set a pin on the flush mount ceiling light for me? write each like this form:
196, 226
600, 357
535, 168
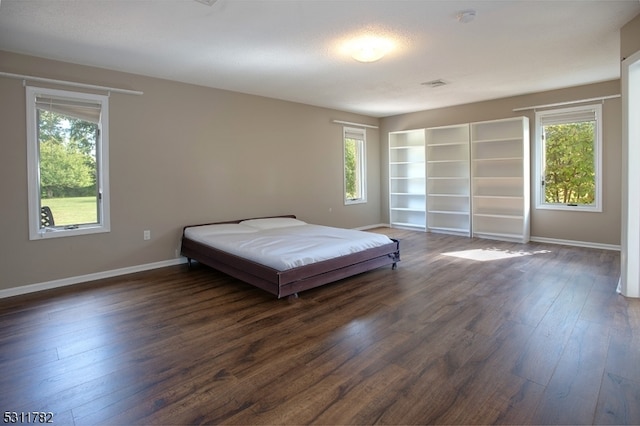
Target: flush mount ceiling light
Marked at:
466, 16
369, 48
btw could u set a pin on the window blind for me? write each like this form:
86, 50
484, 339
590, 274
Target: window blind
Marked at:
567, 117
354, 134
83, 110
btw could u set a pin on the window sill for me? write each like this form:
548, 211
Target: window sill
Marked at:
47, 233
572, 208
350, 202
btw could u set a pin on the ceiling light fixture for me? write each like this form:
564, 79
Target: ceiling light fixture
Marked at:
207, 2
466, 16
369, 48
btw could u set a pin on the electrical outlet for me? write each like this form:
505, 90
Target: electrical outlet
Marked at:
147, 235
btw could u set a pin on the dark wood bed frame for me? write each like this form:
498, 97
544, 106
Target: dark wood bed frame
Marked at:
292, 281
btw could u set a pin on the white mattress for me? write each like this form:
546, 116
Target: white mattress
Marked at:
290, 244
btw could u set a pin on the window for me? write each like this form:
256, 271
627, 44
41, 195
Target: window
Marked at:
568, 158
354, 166
67, 152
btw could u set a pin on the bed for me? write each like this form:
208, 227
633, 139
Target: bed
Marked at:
283, 255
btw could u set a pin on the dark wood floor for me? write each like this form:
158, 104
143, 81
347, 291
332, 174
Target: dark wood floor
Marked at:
540, 338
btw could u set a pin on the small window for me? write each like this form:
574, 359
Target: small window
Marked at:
568, 158
354, 166
67, 136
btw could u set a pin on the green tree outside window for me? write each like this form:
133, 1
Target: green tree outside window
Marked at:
569, 176
351, 169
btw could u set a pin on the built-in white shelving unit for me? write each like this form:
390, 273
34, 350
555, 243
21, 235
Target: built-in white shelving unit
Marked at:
500, 179
448, 184
469, 179
407, 179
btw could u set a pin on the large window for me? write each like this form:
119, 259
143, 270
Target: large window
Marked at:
67, 136
568, 158
354, 166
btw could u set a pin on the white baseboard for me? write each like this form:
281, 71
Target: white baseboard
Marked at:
576, 243
48, 285
585, 244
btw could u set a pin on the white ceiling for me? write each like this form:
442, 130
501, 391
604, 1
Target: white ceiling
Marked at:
291, 49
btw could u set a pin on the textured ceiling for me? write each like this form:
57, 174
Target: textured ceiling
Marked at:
291, 49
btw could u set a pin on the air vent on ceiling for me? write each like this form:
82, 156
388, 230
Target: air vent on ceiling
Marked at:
434, 83
466, 16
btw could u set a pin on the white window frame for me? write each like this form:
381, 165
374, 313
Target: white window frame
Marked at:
348, 133
540, 164
33, 166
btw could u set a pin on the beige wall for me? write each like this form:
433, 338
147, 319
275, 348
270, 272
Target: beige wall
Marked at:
179, 154
600, 228
630, 37
184, 154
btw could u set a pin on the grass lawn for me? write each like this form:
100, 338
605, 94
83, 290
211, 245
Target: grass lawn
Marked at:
73, 210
